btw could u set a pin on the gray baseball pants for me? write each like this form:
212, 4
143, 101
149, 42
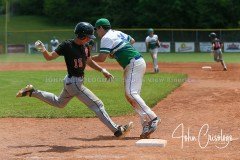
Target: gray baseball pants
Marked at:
218, 57
73, 87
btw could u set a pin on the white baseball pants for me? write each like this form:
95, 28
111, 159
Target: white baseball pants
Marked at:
133, 76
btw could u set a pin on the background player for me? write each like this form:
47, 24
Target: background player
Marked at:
76, 56
152, 44
217, 50
117, 44
54, 43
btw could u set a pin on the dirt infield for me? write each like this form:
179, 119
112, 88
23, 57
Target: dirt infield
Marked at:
200, 120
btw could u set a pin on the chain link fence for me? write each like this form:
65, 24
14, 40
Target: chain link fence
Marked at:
165, 35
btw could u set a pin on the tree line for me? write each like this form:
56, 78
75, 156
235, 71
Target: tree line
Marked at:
135, 13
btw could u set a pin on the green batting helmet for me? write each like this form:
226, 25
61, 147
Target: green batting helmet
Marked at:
150, 30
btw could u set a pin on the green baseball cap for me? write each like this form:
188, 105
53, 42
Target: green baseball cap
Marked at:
102, 22
150, 30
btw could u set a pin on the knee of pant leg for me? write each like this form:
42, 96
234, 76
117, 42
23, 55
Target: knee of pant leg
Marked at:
100, 103
155, 55
216, 59
131, 94
61, 104
128, 95
98, 108
131, 98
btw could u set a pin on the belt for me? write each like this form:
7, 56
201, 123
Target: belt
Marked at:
70, 76
137, 57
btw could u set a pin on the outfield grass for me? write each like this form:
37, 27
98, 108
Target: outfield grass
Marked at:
28, 29
28, 23
162, 57
155, 88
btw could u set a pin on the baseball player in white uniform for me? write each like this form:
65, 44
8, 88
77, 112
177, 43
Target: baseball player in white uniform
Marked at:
116, 44
54, 42
152, 44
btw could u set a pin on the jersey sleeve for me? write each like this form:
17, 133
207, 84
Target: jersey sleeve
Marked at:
126, 36
60, 50
147, 40
106, 45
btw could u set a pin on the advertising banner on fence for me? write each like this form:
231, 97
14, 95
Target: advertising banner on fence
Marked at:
140, 46
205, 46
184, 47
231, 47
164, 47
16, 48
32, 49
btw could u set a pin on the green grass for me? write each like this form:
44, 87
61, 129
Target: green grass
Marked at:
166, 57
23, 23
192, 57
28, 29
155, 88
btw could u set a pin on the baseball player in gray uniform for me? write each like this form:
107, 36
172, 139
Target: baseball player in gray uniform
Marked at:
76, 54
217, 50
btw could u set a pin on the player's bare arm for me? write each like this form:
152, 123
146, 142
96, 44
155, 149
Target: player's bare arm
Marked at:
101, 57
91, 63
146, 43
47, 55
159, 43
212, 49
50, 55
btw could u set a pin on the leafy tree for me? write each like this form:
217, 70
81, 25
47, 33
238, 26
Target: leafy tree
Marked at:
135, 13
72, 10
26, 7
121, 12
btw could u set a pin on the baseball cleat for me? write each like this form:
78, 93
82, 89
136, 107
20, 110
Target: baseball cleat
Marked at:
156, 70
150, 128
123, 130
27, 91
224, 69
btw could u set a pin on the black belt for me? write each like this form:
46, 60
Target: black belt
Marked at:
70, 76
137, 57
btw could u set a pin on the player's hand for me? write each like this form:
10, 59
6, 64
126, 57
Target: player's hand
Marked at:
40, 46
108, 75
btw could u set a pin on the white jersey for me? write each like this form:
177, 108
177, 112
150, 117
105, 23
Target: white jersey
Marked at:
117, 44
113, 40
54, 43
152, 41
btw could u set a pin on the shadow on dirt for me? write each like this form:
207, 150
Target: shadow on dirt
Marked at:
62, 149
99, 138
